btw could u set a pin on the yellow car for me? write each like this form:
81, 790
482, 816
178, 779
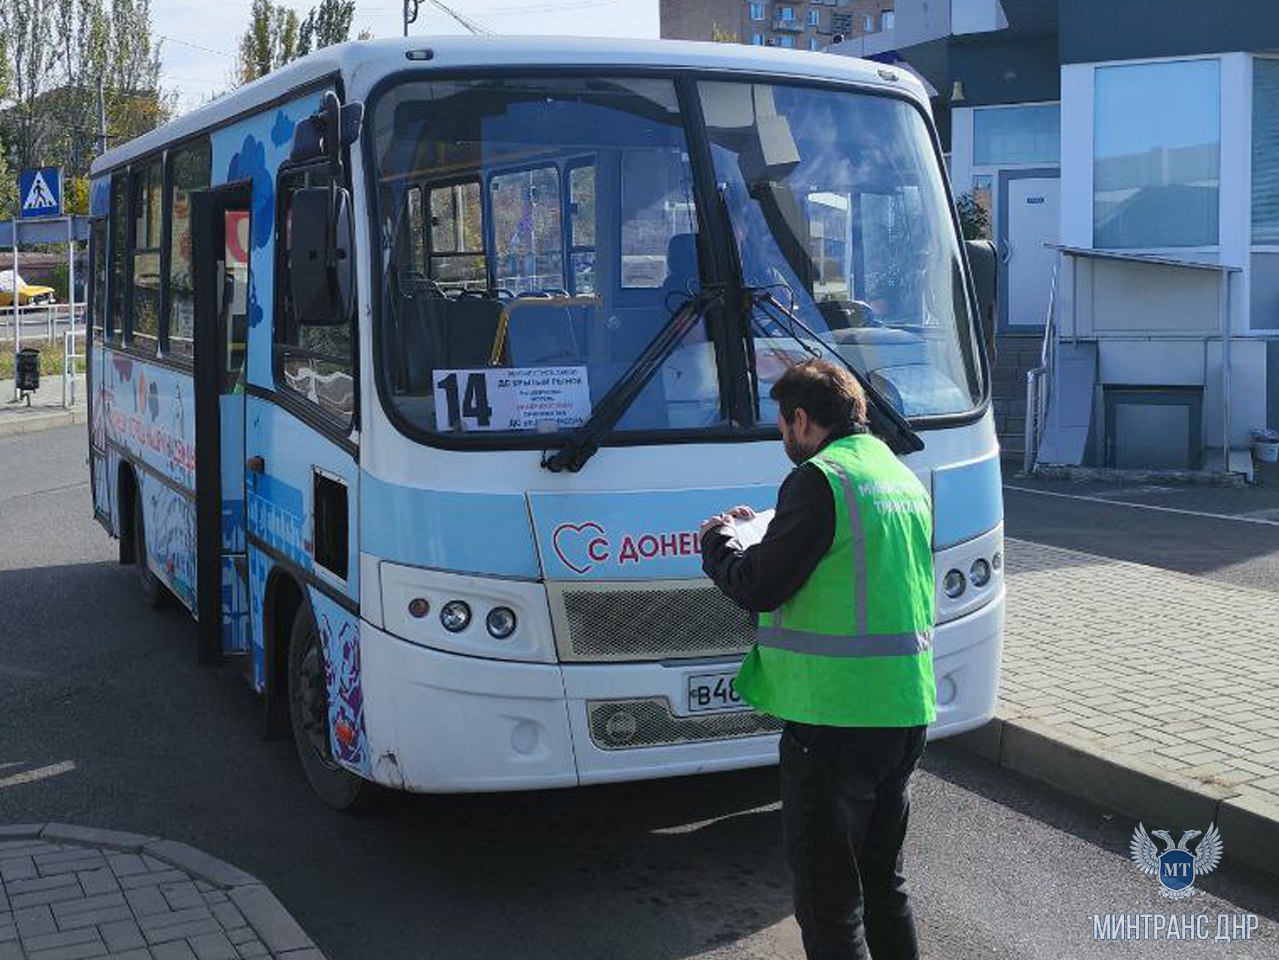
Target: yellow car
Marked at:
28, 293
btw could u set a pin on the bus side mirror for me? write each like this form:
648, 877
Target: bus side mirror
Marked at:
984, 262
321, 267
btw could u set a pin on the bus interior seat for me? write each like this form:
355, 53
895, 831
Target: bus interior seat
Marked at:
419, 339
441, 333
545, 333
468, 327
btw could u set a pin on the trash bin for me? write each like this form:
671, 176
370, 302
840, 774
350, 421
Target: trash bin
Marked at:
27, 371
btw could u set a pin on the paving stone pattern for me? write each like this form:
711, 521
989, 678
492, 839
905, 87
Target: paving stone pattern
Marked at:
65, 897
1176, 671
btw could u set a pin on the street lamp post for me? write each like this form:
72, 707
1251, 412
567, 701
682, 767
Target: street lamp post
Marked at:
411, 8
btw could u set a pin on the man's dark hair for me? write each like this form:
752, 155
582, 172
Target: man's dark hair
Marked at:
830, 395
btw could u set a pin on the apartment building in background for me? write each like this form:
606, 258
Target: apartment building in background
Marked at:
798, 24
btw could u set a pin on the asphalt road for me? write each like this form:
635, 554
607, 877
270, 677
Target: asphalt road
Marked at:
1228, 534
105, 720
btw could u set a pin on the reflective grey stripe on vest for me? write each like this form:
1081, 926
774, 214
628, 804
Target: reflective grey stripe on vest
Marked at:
858, 534
866, 645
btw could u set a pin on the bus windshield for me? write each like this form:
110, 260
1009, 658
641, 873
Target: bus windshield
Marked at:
839, 212
539, 233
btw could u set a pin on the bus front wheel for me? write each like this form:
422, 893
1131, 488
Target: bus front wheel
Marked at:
309, 713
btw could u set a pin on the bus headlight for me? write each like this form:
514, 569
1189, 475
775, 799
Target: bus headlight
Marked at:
500, 622
954, 584
979, 573
455, 616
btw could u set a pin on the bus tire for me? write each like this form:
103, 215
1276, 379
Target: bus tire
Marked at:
309, 713
150, 588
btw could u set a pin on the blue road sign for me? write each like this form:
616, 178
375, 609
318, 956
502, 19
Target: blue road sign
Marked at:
40, 192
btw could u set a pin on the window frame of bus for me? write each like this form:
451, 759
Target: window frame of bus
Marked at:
571, 246
146, 168
98, 229
205, 145
685, 81
284, 324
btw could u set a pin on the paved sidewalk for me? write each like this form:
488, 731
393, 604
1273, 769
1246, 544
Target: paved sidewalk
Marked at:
73, 893
1152, 692
46, 410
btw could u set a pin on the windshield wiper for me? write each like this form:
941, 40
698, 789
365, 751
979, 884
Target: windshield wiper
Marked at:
885, 419
584, 442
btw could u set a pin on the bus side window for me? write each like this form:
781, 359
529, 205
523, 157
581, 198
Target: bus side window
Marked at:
97, 291
147, 191
581, 208
188, 171
314, 363
118, 232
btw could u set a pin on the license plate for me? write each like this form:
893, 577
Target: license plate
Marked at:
710, 692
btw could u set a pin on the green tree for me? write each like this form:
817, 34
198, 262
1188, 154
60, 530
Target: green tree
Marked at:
135, 101
269, 41
973, 217
29, 47
83, 32
325, 25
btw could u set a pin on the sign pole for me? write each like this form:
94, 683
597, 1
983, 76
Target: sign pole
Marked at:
17, 323
68, 356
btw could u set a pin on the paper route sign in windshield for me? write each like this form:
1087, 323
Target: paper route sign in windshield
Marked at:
512, 398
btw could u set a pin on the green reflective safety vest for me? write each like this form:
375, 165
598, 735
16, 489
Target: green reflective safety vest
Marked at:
853, 648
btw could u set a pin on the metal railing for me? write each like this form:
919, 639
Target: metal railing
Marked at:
69, 372
1039, 380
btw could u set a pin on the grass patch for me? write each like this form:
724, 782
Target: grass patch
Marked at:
50, 359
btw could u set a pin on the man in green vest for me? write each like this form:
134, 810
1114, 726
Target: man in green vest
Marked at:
843, 584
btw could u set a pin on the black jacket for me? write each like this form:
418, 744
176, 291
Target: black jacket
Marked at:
764, 576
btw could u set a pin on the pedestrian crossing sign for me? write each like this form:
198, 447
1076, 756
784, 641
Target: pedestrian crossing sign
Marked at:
40, 192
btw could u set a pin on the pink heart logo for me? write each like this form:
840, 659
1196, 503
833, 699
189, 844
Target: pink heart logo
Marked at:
576, 529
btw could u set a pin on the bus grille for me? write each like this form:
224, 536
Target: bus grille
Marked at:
651, 621
627, 724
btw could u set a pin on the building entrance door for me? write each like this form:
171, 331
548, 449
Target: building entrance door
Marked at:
1029, 221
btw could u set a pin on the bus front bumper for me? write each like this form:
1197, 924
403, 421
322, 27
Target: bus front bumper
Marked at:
442, 723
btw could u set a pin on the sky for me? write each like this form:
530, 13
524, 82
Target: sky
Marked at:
199, 37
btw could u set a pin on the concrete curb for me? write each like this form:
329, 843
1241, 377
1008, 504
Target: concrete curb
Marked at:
1248, 819
268, 918
33, 423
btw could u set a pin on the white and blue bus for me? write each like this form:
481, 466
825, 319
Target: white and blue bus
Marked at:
416, 364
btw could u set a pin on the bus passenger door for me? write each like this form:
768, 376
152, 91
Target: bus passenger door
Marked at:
220, 237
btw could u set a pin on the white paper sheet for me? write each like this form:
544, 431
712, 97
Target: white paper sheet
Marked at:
750, 532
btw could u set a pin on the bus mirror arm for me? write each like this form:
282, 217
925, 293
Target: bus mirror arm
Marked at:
325, 133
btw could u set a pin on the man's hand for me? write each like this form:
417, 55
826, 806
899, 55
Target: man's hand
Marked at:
714, 523
741, 512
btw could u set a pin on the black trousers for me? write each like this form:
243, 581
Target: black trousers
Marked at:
845, 804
